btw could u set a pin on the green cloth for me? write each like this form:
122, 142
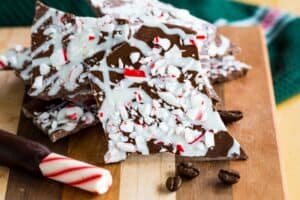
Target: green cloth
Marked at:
281, 31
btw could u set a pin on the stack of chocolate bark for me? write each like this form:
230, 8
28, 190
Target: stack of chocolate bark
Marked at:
142, 69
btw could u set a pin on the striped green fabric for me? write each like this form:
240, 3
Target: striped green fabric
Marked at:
281, 30
20, 12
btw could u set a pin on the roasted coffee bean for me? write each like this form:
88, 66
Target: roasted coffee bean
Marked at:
187, 171
230, 116
186, 164
229, 176
173, 183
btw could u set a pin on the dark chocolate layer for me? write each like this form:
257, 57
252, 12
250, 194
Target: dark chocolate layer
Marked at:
21, 153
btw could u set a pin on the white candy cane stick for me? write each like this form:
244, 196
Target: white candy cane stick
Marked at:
75, 173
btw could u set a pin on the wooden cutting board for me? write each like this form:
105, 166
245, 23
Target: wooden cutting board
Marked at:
142, 177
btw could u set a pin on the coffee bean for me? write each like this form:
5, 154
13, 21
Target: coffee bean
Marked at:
173, 183
229, 176
187, 171
229, 116
186, 164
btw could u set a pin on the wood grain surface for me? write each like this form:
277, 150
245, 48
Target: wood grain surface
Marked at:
11, 94
257, 132
142, 177
287, 115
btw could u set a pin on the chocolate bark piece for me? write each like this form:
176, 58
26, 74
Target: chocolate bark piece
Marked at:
58, 118
64, 47
153, 97
226, 68
21, 153
18, 59
213, 45
137, 11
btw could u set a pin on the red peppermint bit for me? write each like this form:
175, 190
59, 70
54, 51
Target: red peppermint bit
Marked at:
70, 105
134, 73
156, 39
177, 119
200, 37
88, 120
100, 115
156, 46
197, 138
62, 18
70, 74
72, 116
153, 108
152, 65
65, 54
139, 97
199, 116
193, 42
180, 96
2, 65
179, 148
91, 37
128, 105
160, 143
162, 14
214, 65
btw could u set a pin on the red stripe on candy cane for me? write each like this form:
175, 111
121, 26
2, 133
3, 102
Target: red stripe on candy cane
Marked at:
68, 170
47, 159
76, 173
85, 180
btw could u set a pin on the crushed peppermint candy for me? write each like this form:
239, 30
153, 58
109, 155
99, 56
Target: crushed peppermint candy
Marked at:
92, 37
155, 103
59, 118
162, 42
72, 116
145, 115
134, 73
